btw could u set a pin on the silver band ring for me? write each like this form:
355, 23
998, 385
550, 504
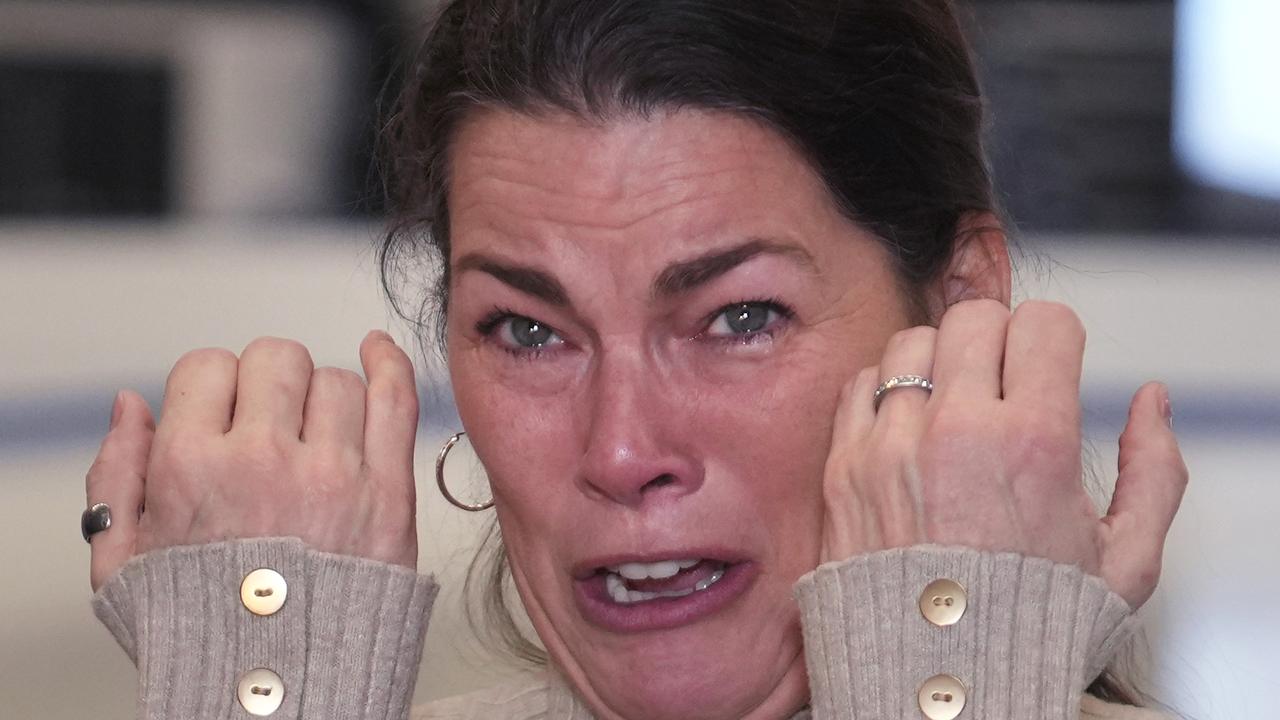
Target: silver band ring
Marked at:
897, 382
94, 520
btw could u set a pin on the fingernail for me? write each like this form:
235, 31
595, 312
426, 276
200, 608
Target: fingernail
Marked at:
384, 335
117, 408
1166, 408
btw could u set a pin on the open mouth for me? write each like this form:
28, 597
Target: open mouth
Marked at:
668, 593
639, 582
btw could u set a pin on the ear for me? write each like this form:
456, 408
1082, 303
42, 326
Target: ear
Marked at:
979, 265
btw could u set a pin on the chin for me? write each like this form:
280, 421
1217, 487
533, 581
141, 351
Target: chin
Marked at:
740, 663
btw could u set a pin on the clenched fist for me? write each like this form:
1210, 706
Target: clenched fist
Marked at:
992, 458
260, 445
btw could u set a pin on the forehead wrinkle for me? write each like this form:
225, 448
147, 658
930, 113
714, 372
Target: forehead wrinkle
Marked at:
553, 205
523, 191
602, 158
603, 167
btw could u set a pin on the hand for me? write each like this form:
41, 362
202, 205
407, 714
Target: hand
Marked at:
264, 445
992, 458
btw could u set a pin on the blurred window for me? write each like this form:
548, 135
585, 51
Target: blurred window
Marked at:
83, 139
1081, 97
1227, 116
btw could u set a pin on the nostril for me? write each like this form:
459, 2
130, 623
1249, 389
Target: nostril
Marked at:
660, 481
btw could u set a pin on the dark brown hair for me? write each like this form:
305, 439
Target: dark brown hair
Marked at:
880, 96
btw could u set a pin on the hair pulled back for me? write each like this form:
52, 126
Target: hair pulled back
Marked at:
879, 96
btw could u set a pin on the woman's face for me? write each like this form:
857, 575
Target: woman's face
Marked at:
649, 324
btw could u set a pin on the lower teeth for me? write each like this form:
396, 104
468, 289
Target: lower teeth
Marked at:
620, 593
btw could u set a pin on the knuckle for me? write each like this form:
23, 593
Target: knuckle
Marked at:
914, 335
112, 454
1043, 439
395, 396
201, 360
331, 471
393, 377
179, 449
121, 453
346, 382
99, 472
1052, 313
951, 423
396, 362
989, 306
277, 347
1147, 574
911, 337
267, 448
978, 309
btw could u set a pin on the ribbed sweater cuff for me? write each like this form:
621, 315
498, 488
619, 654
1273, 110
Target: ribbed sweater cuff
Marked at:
1035, 633
341, 644
365, 634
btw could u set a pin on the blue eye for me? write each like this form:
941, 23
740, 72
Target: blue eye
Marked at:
529, 333
518, 333
746, 319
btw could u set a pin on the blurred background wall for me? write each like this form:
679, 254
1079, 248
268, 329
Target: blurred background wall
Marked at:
183, 174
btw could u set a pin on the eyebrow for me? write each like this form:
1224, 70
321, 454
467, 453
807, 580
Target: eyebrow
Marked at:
685, 276
525, 279
676, 279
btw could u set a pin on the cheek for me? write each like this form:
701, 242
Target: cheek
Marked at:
772, 427
523, 438
768, 435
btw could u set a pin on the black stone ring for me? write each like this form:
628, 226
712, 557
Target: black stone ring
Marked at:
94, 520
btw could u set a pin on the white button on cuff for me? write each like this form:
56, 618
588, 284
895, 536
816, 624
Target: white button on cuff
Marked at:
943, 602
942, 697
260, 692
263, 591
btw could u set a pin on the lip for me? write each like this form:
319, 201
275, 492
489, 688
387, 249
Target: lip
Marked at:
599, 609
585, 569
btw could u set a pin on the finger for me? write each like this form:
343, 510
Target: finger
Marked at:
334, 410
854, 413
1148, 492
272, 388
391, 407
909, 352
117, 478
852, 424
1043, 357
970, 354
200, 392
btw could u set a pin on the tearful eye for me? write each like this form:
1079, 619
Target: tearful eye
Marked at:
744, 319
523, 332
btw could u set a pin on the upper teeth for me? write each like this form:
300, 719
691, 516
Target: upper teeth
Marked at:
656, 571
620, 593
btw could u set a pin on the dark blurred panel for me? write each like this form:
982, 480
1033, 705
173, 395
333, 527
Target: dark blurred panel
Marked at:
84, 139
1080, 96
1081, 100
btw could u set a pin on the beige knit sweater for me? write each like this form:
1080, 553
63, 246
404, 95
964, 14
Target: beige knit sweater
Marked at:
347, 642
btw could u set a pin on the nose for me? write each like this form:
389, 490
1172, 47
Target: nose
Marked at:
638, 448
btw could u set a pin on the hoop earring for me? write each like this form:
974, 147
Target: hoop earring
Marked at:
444, 490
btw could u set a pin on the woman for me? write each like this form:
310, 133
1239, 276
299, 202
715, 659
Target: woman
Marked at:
725, 300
